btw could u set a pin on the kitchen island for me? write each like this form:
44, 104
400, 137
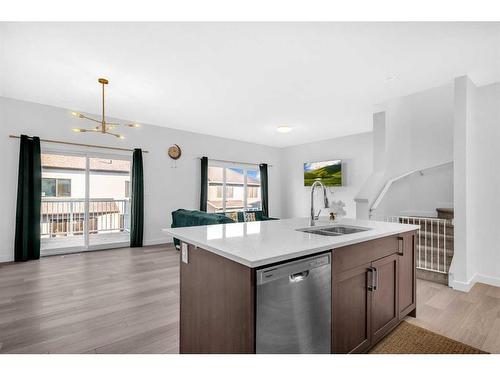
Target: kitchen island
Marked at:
343, 291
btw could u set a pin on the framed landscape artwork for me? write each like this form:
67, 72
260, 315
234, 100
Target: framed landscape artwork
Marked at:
328, 172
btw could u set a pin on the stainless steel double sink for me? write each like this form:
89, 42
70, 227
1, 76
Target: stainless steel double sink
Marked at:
333, 230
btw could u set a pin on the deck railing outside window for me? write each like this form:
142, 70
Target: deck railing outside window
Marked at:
66, 217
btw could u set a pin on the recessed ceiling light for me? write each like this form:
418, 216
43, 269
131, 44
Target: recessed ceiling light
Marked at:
284, 129
390, 78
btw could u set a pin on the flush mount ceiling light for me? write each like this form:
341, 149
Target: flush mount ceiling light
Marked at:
104, 127
284, 129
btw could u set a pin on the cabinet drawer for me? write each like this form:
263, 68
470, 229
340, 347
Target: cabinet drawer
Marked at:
348, 257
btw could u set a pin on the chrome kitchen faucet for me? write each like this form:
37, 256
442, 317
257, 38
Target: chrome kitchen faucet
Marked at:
315, 217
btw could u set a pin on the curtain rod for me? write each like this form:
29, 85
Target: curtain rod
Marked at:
236, 162
81, 144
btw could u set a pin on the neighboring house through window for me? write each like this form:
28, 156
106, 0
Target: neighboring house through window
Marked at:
233, 188
56, 187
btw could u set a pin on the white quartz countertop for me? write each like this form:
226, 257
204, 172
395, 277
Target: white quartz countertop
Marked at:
258, 243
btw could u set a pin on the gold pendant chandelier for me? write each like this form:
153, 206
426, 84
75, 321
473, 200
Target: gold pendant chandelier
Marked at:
104, 127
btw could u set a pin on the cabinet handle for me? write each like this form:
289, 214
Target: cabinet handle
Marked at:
401, 247
374, 283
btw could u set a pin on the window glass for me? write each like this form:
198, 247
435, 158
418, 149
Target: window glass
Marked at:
63, 187
48, 187
253, 190
215, 201
233, 189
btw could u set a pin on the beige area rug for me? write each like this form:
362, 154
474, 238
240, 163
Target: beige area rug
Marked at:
410, 339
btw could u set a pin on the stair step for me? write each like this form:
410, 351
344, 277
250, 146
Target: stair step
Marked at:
435, 250
437, 277
429, 223
445, 213
436, 241
433, 265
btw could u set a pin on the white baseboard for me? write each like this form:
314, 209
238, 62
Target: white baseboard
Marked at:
477, 278
494, 281
461, 285
158, 241
6, 259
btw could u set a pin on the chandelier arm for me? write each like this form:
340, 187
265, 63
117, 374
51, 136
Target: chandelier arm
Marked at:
90, 118
114, 134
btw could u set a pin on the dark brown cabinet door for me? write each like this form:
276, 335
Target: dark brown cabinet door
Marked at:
407, 275
351, 303
385, 307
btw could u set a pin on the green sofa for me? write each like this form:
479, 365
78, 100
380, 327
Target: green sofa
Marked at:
193, 218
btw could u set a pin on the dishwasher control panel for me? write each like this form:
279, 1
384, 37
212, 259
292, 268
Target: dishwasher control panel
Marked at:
293, 267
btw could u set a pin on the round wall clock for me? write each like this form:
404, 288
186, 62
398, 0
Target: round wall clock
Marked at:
174, 152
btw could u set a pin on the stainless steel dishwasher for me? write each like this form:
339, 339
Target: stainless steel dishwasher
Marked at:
294, 307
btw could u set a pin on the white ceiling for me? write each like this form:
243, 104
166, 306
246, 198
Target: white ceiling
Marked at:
242, 80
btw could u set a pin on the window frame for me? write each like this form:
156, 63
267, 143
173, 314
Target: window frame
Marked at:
89, 154
58, 180
245, 168
56, 187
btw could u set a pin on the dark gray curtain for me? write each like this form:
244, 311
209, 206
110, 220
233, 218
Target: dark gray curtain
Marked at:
204, 184
137, 200
264, 186
29, 198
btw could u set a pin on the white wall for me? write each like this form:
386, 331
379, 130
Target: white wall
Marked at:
356, 154
462, 267
168, 185
477, 185
485, 184
418, 133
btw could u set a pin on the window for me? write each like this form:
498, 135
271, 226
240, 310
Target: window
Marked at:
233, 188
84, 201
56, 187
253, 192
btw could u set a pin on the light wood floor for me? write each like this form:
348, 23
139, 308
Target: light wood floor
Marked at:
113, 301
127, 301
472, 318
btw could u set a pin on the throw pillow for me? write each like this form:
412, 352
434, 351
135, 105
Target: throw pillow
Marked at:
233, 216
249, 216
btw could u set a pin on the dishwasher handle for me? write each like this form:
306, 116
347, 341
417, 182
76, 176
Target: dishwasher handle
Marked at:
293, 271
299, 276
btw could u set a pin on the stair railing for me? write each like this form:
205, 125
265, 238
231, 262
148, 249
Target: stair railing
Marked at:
434, 241
389, 183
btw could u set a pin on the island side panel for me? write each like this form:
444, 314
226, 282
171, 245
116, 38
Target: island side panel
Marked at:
408, 275
217, 304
